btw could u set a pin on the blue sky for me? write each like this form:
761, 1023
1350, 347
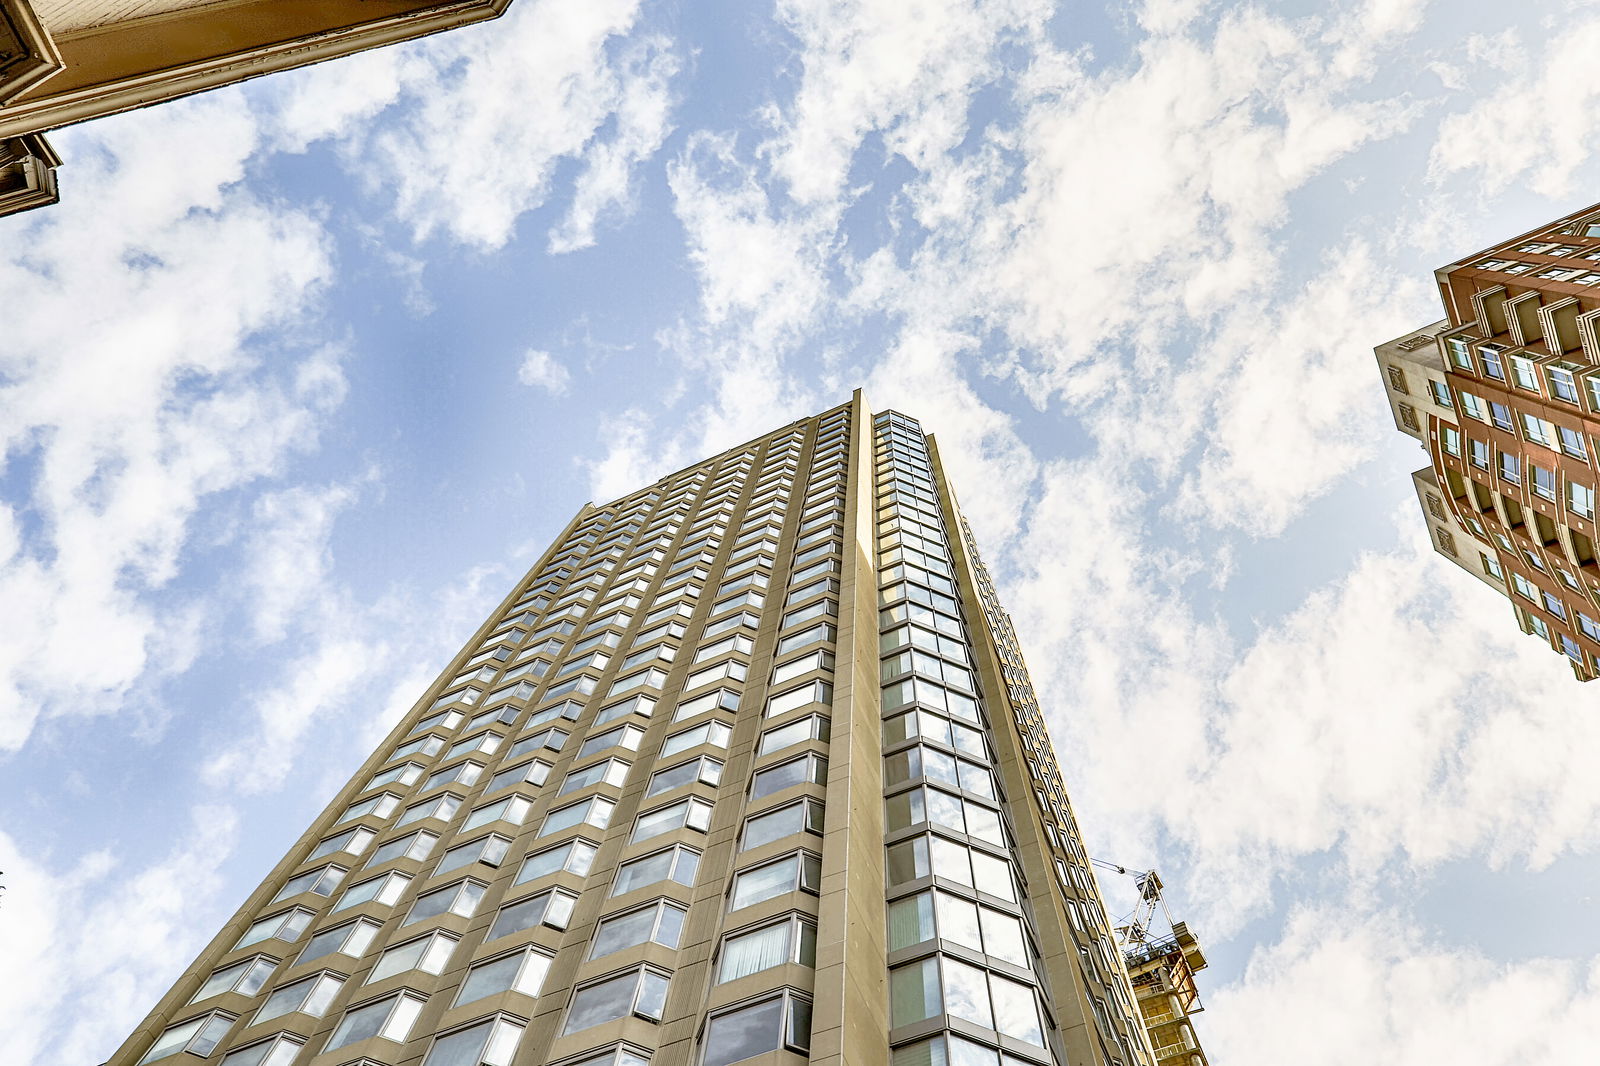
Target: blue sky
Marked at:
297, 380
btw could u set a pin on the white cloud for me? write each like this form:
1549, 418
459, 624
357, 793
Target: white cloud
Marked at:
1398, 999
288, 557
485, 116
108, 931
123, 413
541, 370
1531, 129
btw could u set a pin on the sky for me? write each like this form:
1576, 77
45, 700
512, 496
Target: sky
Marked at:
302, 375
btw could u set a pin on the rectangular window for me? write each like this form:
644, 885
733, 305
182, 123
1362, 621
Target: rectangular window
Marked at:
553, 908
574, 857
660, 923
724, 698
384, 889
442, 807
1522, 374
793, 940
1440, 392
245, 977
511, 810
390, 1018
693, 813
807, 769
1572, 442
430, 954
608, 772
641, 993
459, 899
322, 882
1542, 481
704, 770
800, 872
1511, 468
595, 811
780, 1023
677, 863
416, 846
627, 736
491, 1042
811, 727
1539, 430
530, 773
522, 971
279, 1050
1450, 438
802, 817
817, 692
197, 1036
489, 850
941, 985
351, 939
713, 733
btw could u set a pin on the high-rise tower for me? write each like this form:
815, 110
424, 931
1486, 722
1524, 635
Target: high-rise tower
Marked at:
747, 769
1504, 395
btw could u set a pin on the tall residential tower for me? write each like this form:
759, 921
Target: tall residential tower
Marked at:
747, 769
1504, 395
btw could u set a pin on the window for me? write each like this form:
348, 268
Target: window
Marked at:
1537, 624
817, 660
389, 1018
245, 977
1543, 482
489, 850
321, 882
491, 1042
353, 842
487, 743
460, 898
406, 774
411, 846
1441, 393
941, 985
286, 926
792, 940
513, 809
595, 811
553, 739
441, 807
530, 773
1511, 468
522, 971
731, 669
677, 863
652, 678
640, 705
573, 857
1539, 430
807, 769
641, 993
198, 1036
352, 939
815, 634
782, 1022
693, 813
939, 807
312, 996
627, 736
610, 772
1570, 647
1588, 626
713, 733
1563, 386
1491, 362
384, 889
382, 805
804, 696
1500, 415
704, 770
952, 1050
1525, 587
764, 828
944, 915
553, 908
280, 1050
811, 727
1449, 437
660, 923
1572, 442
725, 698
1522, 374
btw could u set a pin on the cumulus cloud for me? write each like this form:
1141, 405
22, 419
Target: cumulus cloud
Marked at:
121, 415
103, 929
467, 138
541, 370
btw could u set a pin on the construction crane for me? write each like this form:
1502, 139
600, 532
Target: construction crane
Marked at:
1135, 931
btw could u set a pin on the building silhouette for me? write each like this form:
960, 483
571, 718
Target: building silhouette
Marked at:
65, 61
1504, 394
746, 769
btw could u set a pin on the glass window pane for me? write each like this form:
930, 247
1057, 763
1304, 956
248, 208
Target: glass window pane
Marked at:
914, 992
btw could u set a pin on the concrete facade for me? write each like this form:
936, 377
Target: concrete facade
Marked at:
1512, 424
747, 768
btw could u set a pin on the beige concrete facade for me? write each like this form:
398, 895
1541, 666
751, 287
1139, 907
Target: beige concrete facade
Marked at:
746, 769
66, 61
